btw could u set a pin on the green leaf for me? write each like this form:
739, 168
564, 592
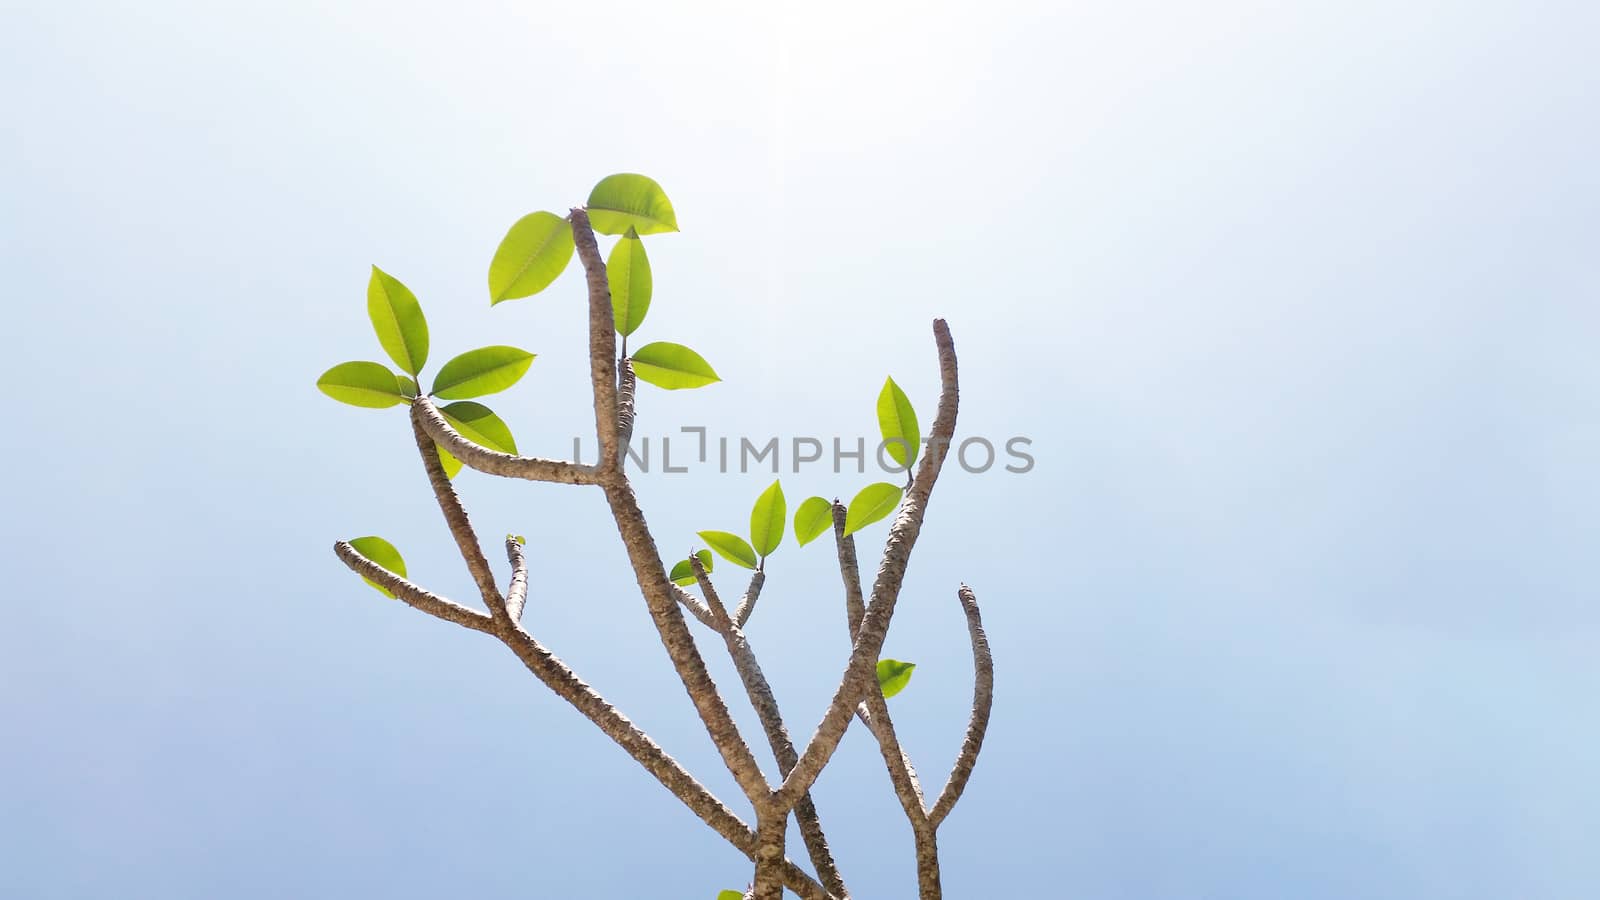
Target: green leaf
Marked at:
384, 554
620, 202
813, 517
730, 895
672, 366
730, 547
452, 466
873, 503
628, 270
894, 675
486, 370
397, 318
683, 571
478, 424
366, 384
531, 255
768, 520
898, 422
408, 386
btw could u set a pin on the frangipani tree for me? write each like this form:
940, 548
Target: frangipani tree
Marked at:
452, 429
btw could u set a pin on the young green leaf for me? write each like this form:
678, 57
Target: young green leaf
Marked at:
898, 422
362, 384
814, 516
408, 386
730, 547
672, 366
620, 202
397, 318
628, 270
730, 895
479, 425
894, 675
452, 466
683, 571
530, 256
487, 370
873, 503
384, 554
768, 519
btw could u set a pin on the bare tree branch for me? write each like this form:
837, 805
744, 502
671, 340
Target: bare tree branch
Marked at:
410, 594
627, 385
696, 607
982, 702
517, 593
455, 517
771, 830
859, 675
765, 704
529, 468
854, 607
602, 343
662, 603
747, 603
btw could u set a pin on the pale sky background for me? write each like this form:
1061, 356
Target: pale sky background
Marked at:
1296, 301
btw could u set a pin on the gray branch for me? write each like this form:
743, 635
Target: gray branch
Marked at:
410, 594
506, 465
765, 703
602, 343
859, 675
517, 593
455, 517
982, 702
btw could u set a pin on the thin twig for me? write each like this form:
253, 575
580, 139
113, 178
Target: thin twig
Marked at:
859, 676
410, 594
602, 343
854, 606
982, 702
747, 603
517, 593
627, 385
529, 468
455, 517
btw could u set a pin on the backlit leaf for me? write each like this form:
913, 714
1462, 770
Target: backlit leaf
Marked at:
683, 571
620, 202
730, 547
384, 554
397, 318
531, 255
672, 366
487, 370
768, 520
814, 516
628, 270
366, 384
894, 675
873, 503
478, 424
898, 422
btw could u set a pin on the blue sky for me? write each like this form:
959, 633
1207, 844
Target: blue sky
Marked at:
1297, 303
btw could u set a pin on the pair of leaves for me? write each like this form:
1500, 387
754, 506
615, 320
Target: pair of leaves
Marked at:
384, 554
487, 370
683, 571
538, 247
871, 504
768, 519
